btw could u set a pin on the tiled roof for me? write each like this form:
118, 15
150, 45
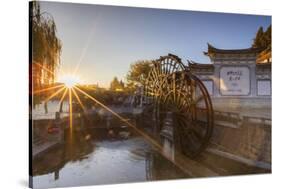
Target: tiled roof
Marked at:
193, 64
212, 49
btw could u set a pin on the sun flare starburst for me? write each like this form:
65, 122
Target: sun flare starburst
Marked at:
69, 80
70, 87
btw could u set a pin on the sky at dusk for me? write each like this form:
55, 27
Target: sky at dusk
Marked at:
105, 40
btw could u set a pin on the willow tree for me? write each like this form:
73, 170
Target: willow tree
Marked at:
46, 47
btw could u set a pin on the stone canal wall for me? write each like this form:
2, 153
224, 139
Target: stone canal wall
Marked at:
242, 138
241, 135
46, 134
219, 103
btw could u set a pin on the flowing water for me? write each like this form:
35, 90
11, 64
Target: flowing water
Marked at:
95, 155
101, 160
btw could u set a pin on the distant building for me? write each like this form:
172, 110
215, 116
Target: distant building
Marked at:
236, 77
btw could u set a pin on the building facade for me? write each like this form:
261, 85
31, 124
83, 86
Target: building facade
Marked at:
239, 82
236, 77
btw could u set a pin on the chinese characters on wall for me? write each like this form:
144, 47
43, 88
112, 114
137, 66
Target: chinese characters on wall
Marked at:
234, 80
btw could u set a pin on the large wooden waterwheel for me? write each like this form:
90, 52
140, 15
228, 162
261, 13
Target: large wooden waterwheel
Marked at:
171, 87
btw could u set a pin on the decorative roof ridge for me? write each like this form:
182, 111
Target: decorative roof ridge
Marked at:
212, 49
193, 63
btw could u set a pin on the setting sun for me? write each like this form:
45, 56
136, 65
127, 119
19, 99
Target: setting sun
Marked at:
69, 80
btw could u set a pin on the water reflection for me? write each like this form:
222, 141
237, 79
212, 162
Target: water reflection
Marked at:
70, 151
101, 160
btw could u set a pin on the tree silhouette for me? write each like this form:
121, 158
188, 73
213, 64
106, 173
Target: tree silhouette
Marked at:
46, 47
138, 72
263, 39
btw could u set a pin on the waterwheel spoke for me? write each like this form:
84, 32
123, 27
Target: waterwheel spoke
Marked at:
175, 89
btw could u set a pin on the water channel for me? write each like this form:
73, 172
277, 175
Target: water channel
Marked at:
102, 160
109, 152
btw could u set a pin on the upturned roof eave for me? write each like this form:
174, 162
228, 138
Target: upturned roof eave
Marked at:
213, 50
